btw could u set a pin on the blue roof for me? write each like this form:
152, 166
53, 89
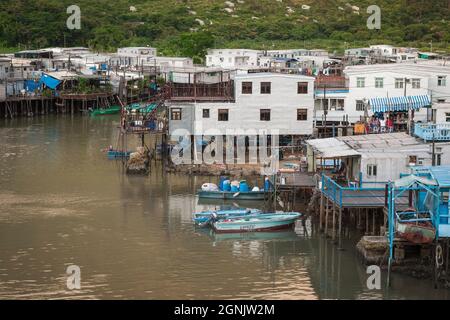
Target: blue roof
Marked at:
439, 173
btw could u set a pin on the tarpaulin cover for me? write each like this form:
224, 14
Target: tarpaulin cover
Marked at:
49, 81
32, 86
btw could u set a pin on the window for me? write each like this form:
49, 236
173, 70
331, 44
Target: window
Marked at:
399, 83
302, 114
360, 105
379, 82
223, 115
415, 83
265, 87
371, 170
175, 114
447, 117
264, 115
440, 100
247, 87
412, 160
360, 82
337, 104
205, 113
442, 81
302, 88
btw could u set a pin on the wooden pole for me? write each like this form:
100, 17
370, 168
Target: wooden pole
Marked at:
327, 209
321, 211
334, 222
340, 228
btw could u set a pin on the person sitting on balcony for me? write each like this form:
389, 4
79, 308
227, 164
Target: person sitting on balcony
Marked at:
390, 124
374, 125
382, 125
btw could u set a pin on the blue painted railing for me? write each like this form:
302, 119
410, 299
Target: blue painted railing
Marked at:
430, 132
337, 194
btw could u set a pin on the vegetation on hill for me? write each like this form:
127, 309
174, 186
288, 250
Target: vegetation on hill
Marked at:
189, 27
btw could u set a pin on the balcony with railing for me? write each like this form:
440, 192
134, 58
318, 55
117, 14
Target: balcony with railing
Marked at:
331, 84
432, 132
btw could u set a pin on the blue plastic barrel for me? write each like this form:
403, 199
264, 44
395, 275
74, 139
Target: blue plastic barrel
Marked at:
267, 184
243, 186
222, 179
234, 189
226, 185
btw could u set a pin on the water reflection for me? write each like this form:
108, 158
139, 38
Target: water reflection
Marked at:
63, 203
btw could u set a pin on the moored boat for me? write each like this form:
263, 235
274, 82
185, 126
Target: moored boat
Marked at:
115, 154
107, 111
260, 223
200, 218
419, 233
230, 195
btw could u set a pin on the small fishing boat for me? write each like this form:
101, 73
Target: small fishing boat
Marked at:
107, 111
260, 223
230, 195
202, 218
418, 233
233, 190
115, 154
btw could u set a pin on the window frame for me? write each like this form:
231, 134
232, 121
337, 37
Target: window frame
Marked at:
377, 82
360, 103
208, 113
360, 82
447, 117
399, 83
221, 112
302, 87
245, 86
174, 111
415, 83
302, 114
372, 170
265, 85
264, 112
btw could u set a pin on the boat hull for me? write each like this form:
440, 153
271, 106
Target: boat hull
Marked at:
102, 112
113, 154
201, 217
418, 234
251, 195
263, 223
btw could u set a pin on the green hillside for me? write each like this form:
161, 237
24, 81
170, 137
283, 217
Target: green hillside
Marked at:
184, 27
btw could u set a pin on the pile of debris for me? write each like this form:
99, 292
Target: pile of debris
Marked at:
139, 162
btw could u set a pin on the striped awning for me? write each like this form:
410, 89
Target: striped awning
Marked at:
399, 103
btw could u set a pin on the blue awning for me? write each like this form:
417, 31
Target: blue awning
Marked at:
49, 81
399, 103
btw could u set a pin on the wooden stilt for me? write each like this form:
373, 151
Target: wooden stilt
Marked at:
321, 211
334, 222
340, 228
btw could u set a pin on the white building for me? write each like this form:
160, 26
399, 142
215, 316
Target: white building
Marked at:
132, 56
5, 68
232, 58
170, 63
377, 157
382, 81
261, 101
